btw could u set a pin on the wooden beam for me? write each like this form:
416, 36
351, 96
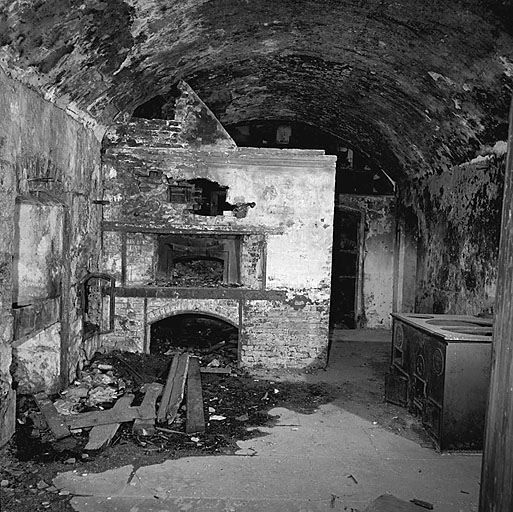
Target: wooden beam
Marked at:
93, 418
195, 421
178, 387
101, 435
496, 492
53, 418
161, 415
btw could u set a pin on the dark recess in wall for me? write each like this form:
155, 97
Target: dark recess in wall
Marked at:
161, 106
357, 173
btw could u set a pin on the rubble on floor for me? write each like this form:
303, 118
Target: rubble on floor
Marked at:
160, 401
234, 406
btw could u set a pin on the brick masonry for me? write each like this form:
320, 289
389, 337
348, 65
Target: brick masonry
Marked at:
281, 305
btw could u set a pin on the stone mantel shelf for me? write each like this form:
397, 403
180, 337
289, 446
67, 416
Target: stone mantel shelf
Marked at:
190, 229
168, 292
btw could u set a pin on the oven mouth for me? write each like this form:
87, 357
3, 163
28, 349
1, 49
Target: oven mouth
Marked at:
206, 336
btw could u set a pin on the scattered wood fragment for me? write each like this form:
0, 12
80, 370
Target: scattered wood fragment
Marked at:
225, 371
101, 435
55, 421
166, 395
177, 393
94, 418
215, 347
352, 478
423, 504
195, 419
138, 377
169, 431
146, 427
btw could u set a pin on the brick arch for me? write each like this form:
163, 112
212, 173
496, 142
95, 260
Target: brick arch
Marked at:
156, 317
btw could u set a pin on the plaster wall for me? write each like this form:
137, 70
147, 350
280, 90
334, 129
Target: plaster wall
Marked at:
459, 227
405, 269
38, 251
38, 361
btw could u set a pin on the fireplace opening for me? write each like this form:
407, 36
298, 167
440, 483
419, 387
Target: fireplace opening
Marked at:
198, 260
198, 271
213, 339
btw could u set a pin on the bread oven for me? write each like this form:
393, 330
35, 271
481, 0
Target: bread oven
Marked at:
242, 235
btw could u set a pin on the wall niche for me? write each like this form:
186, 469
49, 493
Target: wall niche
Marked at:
38, 254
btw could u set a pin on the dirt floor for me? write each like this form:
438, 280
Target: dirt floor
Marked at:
236, 406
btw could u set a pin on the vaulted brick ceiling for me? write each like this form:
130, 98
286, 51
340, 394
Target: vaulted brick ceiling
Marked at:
416, 84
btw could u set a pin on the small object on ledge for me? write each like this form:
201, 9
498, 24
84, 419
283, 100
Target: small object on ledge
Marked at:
240, 210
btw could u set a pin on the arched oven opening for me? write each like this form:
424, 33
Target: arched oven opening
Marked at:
214, 340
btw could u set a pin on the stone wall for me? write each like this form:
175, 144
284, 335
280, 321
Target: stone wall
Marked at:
459, 224
44, 154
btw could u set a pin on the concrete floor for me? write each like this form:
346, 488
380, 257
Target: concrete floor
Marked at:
341, 457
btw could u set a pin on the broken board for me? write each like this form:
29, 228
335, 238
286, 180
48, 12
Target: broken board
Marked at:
146, 427
53, 418
195, 421
174, 389
161, 414
101, 435
178, 390
120, 415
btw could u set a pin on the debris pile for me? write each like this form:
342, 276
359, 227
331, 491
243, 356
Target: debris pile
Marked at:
197, 273
99, 401
168, 406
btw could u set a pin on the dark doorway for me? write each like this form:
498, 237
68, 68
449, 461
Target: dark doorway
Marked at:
345, 273
195, 332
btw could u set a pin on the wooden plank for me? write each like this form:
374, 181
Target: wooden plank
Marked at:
195, 421
178, 390
225, 371
53, 418
497, 469
146, 427
101, 435
161, 415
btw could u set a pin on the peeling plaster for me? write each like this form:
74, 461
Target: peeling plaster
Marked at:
508, 66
